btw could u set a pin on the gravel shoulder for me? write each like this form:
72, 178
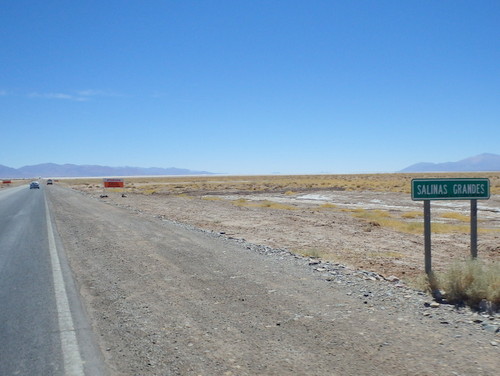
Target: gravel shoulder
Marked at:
306, 225
167, 298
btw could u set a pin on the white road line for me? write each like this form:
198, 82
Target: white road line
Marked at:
73, 365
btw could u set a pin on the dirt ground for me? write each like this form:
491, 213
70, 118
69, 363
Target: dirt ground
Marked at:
340, 226
165, 298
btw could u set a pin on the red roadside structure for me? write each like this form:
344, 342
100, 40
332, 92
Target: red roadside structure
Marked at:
113, 183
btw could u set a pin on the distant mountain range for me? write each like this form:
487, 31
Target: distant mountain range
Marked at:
482, 162
48, 170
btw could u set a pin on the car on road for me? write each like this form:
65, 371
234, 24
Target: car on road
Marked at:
49, 182
34, 185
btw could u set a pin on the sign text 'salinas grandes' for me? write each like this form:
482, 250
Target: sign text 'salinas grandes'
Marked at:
427, 190
450, 189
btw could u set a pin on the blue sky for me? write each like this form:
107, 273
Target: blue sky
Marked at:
249, 86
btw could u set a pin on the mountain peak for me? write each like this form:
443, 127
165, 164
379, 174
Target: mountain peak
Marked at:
481, 162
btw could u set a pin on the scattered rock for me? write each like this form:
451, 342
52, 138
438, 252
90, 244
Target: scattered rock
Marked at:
490, 328
388, 294
488, 307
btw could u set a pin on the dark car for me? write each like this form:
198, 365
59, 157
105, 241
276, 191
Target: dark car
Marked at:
49, 182
34, 185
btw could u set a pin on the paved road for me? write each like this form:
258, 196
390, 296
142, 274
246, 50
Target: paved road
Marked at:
36, 293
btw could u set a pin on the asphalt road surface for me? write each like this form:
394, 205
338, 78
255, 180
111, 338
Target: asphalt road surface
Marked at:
43, 328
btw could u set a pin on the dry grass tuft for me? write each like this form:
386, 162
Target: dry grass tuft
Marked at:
312, 253
471, 282
412, 214
385, 219
262, 204
371, 214
457, 216
328, 206
276, 205
468, 283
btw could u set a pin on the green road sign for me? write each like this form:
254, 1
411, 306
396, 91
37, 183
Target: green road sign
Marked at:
450, 189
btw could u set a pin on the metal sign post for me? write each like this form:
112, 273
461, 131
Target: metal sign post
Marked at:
427, 236
449, 189
473, 228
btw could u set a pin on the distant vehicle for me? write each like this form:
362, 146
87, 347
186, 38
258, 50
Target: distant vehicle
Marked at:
35, 185
49, 182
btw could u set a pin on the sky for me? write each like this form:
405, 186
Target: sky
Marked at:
249, 86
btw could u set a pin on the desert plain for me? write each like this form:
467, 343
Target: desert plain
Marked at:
366, 222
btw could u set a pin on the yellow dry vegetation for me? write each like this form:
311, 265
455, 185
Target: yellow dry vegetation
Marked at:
398, 223
312, 252
288, 184
456, 216
328, 205
262, 204
472, 281
209, 187
412, 214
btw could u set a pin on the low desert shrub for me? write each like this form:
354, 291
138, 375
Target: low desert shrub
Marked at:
262, 204
384, 219
412, 214
471, 282
426, 282
465, 283
328, 205
275, 205
240, 202
371, 214
457, 216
